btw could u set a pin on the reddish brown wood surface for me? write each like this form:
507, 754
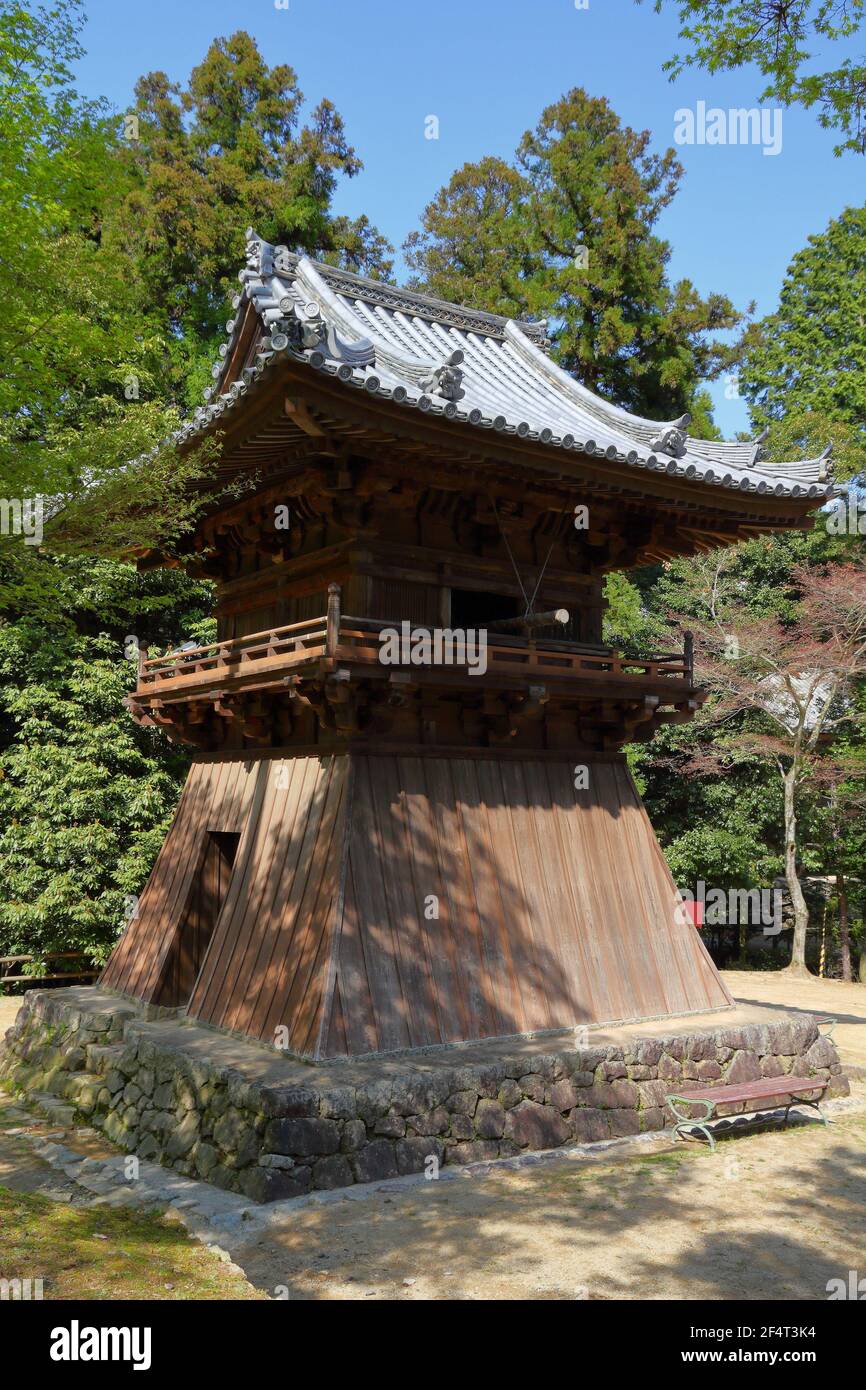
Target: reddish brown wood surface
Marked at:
766, 1088
394, 901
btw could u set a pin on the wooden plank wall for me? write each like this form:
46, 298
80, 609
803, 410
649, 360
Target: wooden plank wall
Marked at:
208, 893
217, 797
268, 963
383, 902
555, 906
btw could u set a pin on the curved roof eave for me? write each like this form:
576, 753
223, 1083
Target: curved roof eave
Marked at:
477, 369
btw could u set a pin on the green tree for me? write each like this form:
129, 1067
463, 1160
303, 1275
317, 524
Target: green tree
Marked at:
79, 400
568, 233
804, 370
80, 355
472, 248
85, 794
226, 151
780, 37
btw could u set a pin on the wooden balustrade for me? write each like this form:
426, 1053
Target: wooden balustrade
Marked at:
271, 655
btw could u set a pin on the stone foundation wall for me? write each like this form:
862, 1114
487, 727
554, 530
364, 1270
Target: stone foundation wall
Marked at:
276, 1141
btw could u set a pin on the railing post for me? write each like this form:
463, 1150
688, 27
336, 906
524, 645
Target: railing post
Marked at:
332, 636
689, 654
142, 658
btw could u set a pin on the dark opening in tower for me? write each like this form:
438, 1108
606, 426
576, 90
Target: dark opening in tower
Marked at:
203, 906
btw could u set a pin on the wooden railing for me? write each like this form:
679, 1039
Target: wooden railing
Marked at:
262, 657
6, 961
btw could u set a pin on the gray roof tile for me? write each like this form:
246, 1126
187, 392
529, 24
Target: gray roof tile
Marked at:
396, 343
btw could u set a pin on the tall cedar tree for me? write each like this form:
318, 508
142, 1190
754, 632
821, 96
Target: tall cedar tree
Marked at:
808, 359
226, 151
567, 233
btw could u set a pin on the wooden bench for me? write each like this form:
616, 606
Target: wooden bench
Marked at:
753, 1095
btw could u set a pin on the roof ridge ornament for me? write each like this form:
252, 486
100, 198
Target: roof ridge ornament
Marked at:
757, 452
260, 255
671, 438
446, 379
309, 331
826, 466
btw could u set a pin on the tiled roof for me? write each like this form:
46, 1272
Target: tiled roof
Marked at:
480, 369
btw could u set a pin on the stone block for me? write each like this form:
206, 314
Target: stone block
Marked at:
205, 1157
744, 1066
614, 1095
771, 1066
588, 1126
532, 1087
700, 1047
464, 1102
231, 1129
535, 1126
145, 1080
623, 1123
354, 1136
462, 1127
338, 1104
821, 1053
374, 1100
375, 1162
413, 1155
390, 1126
273, 1184
182, 1136
562, 1095
286, 1102
652, 1119
163, 1096
479, 1151
333, 1171
490, 1118
653, 1093
509, 1094
433, 1122
302, 1137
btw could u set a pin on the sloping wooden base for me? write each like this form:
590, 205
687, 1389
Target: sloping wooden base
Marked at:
378, 902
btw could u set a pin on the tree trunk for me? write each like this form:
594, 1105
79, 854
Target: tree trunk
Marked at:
844, 932
801, 911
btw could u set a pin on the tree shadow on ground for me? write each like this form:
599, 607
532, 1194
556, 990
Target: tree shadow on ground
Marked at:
773, 1215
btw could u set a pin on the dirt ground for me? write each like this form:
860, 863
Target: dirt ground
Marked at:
772, 1215
827, 998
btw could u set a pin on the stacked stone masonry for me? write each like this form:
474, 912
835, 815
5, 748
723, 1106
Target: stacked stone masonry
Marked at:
276, 1141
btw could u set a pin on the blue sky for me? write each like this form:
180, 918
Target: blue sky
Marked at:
486, 69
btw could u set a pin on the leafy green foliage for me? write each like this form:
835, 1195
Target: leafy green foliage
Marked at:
85, 795
804, 371
567, 232
780, 38
205, 160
